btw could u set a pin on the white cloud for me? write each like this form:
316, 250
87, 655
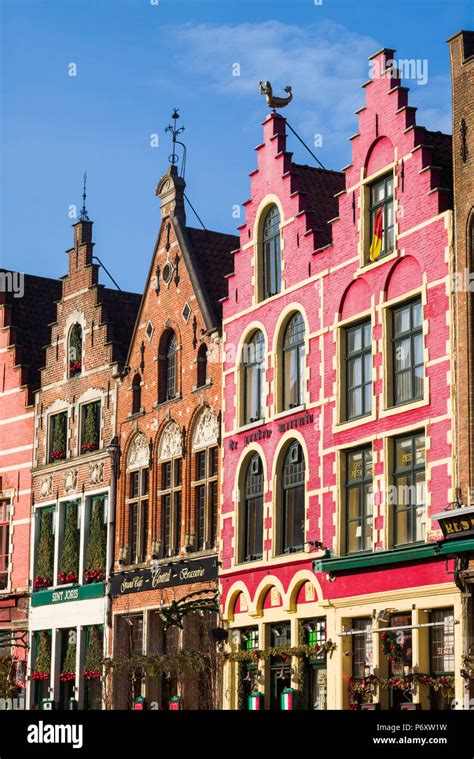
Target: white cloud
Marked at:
324, 62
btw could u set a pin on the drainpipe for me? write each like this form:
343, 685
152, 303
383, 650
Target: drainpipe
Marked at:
113, 450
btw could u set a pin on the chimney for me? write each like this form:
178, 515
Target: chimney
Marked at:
170, 190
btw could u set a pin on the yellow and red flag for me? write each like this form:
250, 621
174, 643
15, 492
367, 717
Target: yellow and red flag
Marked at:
376, 244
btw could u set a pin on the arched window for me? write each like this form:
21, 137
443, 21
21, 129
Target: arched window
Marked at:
138, 514
168, 367
293, 363
254, 378
252, 527
205, 454
271, 253
136, 394
75, 350
170, 489
292, 500
138, 460
202, 366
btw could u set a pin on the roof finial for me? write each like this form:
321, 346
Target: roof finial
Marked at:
175, 131
83, 215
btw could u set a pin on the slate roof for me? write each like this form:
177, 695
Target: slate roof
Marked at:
30, 318
212, 252
442, 147
320, 185
119, 311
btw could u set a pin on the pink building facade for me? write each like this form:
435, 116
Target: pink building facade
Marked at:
337, 585
27, 307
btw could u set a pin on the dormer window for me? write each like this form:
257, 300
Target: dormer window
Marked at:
75, 350
271, 253
381, 218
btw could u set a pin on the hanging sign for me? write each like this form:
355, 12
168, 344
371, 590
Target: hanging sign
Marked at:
457, 523
164, 576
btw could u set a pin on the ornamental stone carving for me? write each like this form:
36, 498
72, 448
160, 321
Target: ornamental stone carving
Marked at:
96, 472
139, 454
206, 431
46, 486
70, 480
171, 443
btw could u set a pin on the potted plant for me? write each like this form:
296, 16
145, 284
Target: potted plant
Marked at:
42, 668
91, 432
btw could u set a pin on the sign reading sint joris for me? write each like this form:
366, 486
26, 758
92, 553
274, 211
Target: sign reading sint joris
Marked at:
167, 575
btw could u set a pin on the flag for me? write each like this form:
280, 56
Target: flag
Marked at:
254, 701
376, 244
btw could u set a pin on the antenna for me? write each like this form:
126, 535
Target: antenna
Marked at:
175, 131
83, 215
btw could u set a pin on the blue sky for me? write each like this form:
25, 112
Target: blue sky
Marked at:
136, 60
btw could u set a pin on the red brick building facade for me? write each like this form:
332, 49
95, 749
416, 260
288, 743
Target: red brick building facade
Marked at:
73, 481
27, 307
167, 520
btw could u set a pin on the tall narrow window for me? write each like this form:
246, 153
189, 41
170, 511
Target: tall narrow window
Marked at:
381, 213
171, 495
441, 655
75, 350
359, 500
293, 497
271, 253
205, 497
408, 352
359, 370
90, 427
254, 378
136, 394
293, 363
138, 515
168, 367
4, 542
171, 368
362, 646
252, 548
409, 481
202, 366
57, 437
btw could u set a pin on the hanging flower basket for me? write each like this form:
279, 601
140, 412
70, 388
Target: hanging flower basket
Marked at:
75, 367
40, 676
94, 575
67, 677
91, 674
391, 648
67, 577
42, 582
57, 455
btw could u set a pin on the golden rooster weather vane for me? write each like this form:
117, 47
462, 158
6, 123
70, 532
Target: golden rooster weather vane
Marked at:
274, 102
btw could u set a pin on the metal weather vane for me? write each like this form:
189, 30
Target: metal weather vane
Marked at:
273, 101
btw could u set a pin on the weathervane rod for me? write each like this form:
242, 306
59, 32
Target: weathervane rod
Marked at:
84, 216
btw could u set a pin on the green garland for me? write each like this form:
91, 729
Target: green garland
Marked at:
361, 688
69, 564
95, 558
7, 676
184, 661
94, 655
302, 651
45, 563
42, 668
68, 670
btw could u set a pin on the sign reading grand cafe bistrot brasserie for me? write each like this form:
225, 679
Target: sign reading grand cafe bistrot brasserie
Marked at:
164, 576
